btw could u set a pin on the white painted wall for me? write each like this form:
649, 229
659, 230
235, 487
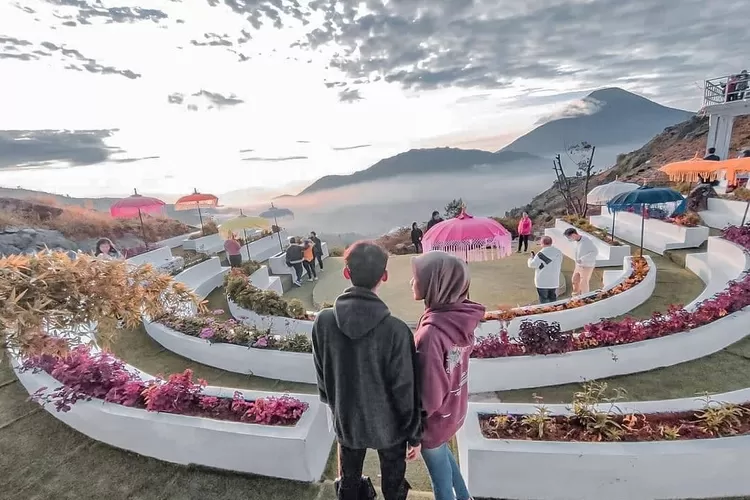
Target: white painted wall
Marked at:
608, 256
175, 241
203, 278
263, 249
277, 324
211, 244
723, 213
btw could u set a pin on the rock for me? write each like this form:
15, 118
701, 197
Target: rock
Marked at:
30, 240
10, 230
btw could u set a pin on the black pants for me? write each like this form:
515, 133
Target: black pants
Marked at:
298, 270
235, 260
547, 295
319, 257
392, 471
523, 239
418, 246
310, 268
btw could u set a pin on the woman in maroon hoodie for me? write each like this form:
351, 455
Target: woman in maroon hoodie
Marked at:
444, 338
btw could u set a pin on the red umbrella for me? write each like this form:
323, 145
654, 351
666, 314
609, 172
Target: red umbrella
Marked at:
196, 200
136, 204
469, 238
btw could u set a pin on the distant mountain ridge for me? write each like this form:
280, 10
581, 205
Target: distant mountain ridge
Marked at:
420, 162
606, 117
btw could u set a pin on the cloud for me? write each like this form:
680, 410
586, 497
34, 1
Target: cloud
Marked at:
20, 148
73, 59
219, 100
347, 148
283, 158
213, 40
246, 150
583, 107
350, 95
176, 98
659, 47
86, 10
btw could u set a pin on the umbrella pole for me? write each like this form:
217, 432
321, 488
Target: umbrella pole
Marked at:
614, 212
643, 226
744, 216
247, 245
203, 231
276, 223
143, 228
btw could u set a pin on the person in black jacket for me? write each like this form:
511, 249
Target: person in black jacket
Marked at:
435, 219
318, 250
416, 237
365, 360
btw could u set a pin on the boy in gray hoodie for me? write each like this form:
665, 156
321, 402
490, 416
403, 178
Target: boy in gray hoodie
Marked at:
366, 365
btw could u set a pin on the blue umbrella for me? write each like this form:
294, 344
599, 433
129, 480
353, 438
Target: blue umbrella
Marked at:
643, 197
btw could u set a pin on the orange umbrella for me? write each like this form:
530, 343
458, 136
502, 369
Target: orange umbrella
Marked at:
734, 166
196, 200
689, 170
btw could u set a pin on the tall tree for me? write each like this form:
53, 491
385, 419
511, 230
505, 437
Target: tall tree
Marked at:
453, 208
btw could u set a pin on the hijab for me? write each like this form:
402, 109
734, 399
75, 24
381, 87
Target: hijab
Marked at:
441, 279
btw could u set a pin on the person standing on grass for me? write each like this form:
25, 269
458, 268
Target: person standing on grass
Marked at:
318, 250
524, 232
294, 258
434, 219
365, 360
308, 256
416, 237
444, 338
234, 250
586, 253
546, 265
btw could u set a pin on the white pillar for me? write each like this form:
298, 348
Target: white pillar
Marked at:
720, 134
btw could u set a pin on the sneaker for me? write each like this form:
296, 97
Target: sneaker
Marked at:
309, 280
315, 278
296, 283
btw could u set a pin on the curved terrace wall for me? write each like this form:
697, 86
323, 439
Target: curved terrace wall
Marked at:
571, 319
277, 324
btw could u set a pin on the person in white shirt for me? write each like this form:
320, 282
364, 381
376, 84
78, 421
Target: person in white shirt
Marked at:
547, 264
586, 253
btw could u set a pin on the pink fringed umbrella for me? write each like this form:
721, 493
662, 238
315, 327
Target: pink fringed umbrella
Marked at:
136, 205
469, 238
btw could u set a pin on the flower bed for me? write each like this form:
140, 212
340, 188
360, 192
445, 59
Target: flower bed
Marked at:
690, 219
601, 448
639, 270
87, 375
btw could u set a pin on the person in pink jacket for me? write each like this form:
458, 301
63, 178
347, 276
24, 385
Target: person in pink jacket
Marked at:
444, 339
524, 232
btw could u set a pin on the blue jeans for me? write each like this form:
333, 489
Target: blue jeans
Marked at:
444, 474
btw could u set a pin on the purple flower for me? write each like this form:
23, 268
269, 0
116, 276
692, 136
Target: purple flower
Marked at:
262, 342
217, 312
207, 333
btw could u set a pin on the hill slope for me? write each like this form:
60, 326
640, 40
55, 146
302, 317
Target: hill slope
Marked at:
606, 117
675, 143
419, 162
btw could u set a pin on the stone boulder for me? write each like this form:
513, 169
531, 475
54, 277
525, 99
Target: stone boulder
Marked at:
14, 240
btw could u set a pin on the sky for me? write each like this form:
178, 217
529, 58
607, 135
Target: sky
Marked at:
102, 96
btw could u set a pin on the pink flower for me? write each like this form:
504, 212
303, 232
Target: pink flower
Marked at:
262, 342
217, 312
207, 333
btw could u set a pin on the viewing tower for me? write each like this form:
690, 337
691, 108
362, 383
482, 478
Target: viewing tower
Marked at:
724, 99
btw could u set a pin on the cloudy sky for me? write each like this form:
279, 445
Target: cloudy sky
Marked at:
166, 95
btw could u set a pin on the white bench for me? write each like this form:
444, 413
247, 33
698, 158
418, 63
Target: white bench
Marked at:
264, 248
175, 241
723, 213
211, 244
607, 256
658, 236
160, 258
265, 281
723, 262
203, 278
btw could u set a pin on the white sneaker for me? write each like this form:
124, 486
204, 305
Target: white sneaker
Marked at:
309, 280
296, 283
315, 278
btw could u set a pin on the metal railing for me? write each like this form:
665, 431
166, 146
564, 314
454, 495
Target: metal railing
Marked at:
726, 89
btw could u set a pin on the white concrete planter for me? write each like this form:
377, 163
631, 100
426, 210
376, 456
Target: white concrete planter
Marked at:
571, 319
264, 248
724, 261
277, 324
701, 468
723, 213
264, 281
268, 363
203, 278
520, 372
161, 258
211, 244
608, 255
175, 241
659, 236
299, 453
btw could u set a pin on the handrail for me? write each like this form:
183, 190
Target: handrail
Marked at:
717, 91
